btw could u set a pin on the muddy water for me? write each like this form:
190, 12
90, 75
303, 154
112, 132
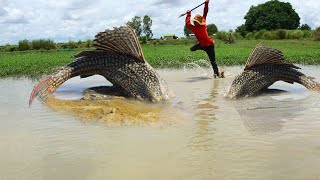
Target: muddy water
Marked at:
199, 135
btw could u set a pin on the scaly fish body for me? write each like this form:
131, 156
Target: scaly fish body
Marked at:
259, 75
136, 79
124, 68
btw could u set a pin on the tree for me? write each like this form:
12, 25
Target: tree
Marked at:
212, 29
242, 30
305, 27
147, 23
187, 31
24, 45
135, 24
270, 16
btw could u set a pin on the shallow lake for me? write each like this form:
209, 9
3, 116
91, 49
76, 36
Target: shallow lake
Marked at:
199, 135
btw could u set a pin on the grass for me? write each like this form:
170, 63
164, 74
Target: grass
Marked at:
32, 63
296, 51
38, 63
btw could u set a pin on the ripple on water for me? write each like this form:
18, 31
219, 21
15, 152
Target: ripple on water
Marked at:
201, 135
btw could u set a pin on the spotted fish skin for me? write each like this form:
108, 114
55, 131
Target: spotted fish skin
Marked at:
136, 79
125, 69
259, 75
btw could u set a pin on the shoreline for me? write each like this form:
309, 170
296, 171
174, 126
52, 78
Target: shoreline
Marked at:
34, 64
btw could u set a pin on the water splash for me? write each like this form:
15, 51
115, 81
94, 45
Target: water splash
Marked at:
200, 68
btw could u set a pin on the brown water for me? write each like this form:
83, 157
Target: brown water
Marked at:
199, 135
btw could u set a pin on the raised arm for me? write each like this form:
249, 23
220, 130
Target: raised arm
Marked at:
206, 9
188, 23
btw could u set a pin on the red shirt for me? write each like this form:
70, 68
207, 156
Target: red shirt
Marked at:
200, 31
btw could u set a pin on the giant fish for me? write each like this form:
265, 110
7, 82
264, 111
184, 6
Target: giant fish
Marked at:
118, 57
264, 67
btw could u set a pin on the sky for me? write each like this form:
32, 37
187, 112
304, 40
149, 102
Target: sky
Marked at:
64, 20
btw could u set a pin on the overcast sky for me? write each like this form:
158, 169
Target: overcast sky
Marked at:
62, 20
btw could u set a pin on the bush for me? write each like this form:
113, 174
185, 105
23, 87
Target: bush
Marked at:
43, 44
222, 35
5, 48
259, 34
12, 48
280, 34
230, 39
8, 47
307, 34
88, 43
69, 45
249, 36
238, 36
143, 39
269, 35
295, 34
316, 34
242, 30
24, 45
154, 42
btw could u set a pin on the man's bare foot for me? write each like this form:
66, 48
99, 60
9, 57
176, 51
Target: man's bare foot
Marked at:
222, 74
219, 75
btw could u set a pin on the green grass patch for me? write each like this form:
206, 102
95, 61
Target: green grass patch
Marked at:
32, 63
38, 63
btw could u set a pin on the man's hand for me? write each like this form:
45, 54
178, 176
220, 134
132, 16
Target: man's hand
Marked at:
207, 1
188, 12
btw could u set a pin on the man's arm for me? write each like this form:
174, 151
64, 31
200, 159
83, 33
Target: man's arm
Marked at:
206, 9
188, 23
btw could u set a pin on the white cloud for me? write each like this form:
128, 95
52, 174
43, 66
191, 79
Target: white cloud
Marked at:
3, 12
14, 16
62, 20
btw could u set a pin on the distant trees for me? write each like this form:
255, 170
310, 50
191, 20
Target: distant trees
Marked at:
146, 27
187, 31
141, 26
211, 28
135, 24
242, 30
270, 16
305, 27
45, 44
24, 45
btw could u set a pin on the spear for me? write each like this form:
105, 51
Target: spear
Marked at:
192, 9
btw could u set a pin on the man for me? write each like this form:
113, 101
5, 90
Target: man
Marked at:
205, 43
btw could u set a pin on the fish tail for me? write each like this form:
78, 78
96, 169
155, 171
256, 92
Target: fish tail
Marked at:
309, 83
316, 87
47, 85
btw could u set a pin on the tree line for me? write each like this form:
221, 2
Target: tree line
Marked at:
270, 20
45, 44
211, 28
273, 16
270, 16
141, 25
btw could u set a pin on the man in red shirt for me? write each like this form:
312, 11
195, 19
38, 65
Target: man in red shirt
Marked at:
205, 43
